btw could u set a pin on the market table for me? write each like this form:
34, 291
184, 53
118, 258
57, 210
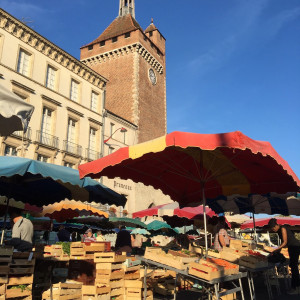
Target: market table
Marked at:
265, 271
215, 282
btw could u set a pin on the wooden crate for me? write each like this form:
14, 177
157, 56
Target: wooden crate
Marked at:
64, 291
206, 270
108, 257
232, 255
13, 292
213, 254
136, 293
6, 251
93, 292
21, 266
229, 268
20, 280
77, 250
133, 284
253, 262
178, 253
132, 273
242, 245
106, 274
117, 291
109, 266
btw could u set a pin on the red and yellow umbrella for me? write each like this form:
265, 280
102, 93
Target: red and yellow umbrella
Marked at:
17, 204
69, 209
181, 164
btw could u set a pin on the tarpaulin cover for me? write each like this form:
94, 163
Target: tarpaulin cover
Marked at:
264, 222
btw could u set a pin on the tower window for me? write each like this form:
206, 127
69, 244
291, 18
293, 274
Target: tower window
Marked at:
90, 47
102, 43
114, 39
127, 35
150, 33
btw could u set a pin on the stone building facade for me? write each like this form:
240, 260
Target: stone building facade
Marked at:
72, 118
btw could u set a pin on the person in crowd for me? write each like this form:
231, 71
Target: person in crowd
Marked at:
123, 242
222, 239
75, 237
100, 237
22, 232
289, 240
63, 234
88, 236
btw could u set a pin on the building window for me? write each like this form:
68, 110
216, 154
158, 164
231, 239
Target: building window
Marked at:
94, 102
10, 151
112, 126
90, 47
71, 138
24, 62
74, 90
51, 77
127, 35
151, 33
69, 165
42, 158
46, 121
102, 43
92, 139
114, 39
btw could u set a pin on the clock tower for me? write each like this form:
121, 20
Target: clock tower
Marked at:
133, 60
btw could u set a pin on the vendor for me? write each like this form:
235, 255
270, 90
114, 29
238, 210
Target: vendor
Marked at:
123, 242
88, 236
289, 240
222, 239
22, 232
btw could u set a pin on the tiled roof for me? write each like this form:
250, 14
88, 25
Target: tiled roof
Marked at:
151, 27
119, 26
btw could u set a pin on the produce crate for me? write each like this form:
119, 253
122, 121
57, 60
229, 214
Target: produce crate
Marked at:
132, 273
91, 292
133, 283
64, 291
21, 266
206, 270
178, 262
110, 257
109, 266
182, 253
20, 280
242, 245
6, 253
14, 292
117, 292
104, 274
232, 255
214, 253
77, 251
229, 268
253, 262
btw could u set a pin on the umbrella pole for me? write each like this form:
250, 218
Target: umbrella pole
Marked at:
204, 218
254, 227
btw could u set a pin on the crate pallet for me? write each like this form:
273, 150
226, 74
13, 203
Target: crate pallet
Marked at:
119, 291
64, 291
21, 266
132, 273
14, 292
94, 292
104, 274
108, 257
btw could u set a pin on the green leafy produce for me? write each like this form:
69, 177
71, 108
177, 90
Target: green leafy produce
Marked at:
23, 287
65, 247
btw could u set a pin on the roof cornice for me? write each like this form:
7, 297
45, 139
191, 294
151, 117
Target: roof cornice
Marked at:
41, 44
136, 47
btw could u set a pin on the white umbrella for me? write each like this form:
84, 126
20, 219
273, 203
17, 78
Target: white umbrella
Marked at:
15, 113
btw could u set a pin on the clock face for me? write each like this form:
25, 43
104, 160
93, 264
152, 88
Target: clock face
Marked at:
152, 76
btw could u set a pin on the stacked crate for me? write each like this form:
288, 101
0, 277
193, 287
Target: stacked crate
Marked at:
5, 261
20, 278
109, 272
55, 252
64, 291
90, 292
79, 250
134, 284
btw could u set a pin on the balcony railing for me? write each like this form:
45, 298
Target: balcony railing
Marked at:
72, 148
47, 139
91, 154
19, 134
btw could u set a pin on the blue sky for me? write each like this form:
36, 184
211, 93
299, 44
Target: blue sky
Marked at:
231, 64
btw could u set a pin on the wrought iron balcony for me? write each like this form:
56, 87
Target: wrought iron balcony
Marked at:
72, 148
47, 139
19, 134
91, 154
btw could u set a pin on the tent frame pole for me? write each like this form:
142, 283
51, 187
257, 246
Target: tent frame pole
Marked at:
254, 227
204, 218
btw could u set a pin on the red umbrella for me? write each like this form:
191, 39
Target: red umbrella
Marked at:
264, 222
191, 167
176, 216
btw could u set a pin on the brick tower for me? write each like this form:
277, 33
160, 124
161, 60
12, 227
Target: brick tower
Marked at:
133, 60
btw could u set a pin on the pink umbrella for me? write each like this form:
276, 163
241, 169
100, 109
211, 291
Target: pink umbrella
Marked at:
264, 222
